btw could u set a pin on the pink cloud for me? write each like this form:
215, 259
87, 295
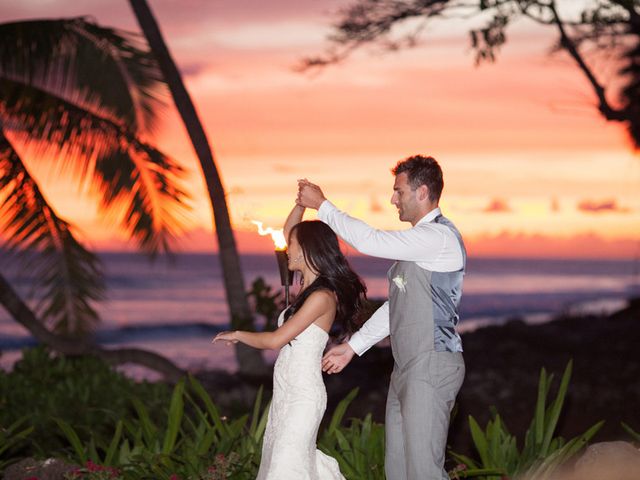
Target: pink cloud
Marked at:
374, 205
602, 206
497, 205
523, 245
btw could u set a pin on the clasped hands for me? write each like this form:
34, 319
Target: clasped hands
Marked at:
309, 194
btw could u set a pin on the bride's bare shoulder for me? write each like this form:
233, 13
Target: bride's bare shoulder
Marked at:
324, 295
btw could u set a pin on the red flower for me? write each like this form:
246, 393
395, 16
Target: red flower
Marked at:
113, 472
92, 467
174, 477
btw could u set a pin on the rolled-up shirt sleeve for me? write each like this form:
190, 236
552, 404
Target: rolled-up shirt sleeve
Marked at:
373, 330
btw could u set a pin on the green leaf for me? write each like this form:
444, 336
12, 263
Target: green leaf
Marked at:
635, 435
176, 409
538, 419
340, 410
555, 409
113, 445
73, 439
479, 441
256, 412
209, 405
146, 428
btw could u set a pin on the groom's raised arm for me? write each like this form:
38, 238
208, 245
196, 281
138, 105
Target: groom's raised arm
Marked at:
428, 243
422, 243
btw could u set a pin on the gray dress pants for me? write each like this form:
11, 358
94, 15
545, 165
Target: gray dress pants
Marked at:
419, 404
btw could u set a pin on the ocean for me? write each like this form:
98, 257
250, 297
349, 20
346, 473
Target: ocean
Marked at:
176, 307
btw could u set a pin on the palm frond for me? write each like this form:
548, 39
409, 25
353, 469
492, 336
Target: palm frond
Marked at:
139, 185
69, 275
108, 71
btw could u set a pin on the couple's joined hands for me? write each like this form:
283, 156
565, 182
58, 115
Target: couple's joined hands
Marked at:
309, 194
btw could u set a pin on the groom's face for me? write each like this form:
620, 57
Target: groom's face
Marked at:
404, 198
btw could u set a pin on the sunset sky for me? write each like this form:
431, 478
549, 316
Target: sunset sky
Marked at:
531, 169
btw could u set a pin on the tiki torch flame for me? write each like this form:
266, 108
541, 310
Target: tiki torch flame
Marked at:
276, 235
286, 275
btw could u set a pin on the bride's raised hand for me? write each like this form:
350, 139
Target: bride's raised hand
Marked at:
229, 337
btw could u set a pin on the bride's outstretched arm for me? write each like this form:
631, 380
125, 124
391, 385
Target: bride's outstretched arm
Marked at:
295, 217
320, 303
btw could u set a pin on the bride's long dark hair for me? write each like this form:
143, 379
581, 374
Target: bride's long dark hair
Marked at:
322, 253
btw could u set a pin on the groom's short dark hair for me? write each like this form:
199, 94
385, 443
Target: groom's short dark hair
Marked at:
422, 171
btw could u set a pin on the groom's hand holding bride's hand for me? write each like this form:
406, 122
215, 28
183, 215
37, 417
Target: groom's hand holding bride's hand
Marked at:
337, 358
309, 194
229, 337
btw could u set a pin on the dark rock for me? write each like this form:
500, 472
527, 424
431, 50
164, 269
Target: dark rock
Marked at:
49, 469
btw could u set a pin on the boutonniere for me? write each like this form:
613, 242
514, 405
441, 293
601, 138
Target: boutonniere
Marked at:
401, 283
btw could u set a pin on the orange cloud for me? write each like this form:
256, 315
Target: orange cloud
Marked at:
506, 244
604, 206
497, 205
374, 205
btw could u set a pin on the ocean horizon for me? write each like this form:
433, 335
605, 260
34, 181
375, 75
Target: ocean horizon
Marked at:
176, 306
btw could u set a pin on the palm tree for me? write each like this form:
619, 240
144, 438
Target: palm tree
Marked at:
249, 360
82, 100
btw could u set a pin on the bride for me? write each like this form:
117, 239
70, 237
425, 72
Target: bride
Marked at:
330, 291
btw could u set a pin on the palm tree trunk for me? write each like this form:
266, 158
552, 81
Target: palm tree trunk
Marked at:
10, 299
250, 361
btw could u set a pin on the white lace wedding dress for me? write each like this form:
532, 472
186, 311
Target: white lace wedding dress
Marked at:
299, 400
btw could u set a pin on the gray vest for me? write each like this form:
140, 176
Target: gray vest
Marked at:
423, 307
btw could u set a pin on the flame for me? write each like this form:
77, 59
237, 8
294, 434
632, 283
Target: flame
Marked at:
276, 235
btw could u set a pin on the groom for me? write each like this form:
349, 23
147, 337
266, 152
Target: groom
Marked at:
425, 285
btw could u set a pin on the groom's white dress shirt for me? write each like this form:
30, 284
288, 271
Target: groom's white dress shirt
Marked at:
430, 245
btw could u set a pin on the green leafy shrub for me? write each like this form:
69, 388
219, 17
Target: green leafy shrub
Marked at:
12, 440
191, 441
541, 452
358, 448
84, 392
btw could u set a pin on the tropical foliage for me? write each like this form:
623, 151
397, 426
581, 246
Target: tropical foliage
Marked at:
80, 100
499, 454
41, 386
128, 430
359, 448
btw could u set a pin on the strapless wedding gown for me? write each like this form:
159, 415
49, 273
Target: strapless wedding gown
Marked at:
299, 400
